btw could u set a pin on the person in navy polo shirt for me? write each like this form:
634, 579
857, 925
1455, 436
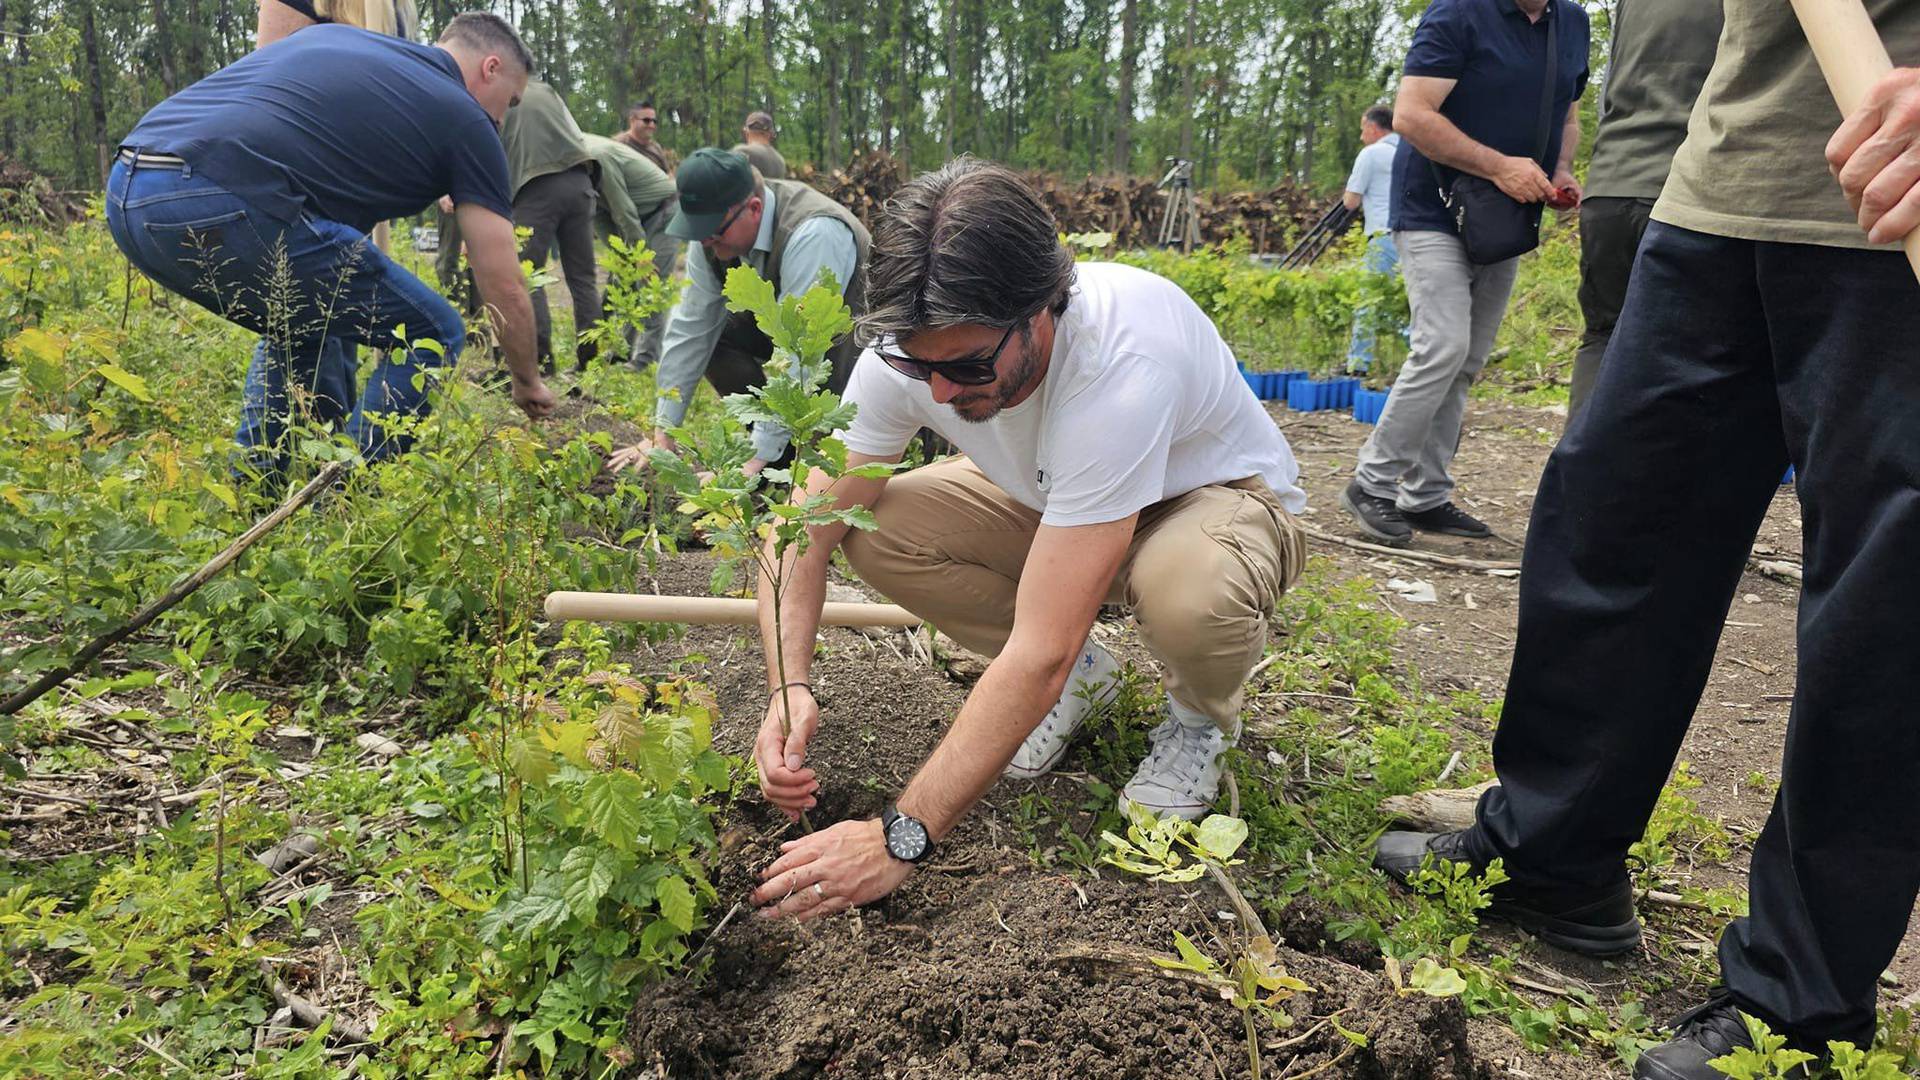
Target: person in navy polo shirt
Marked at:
253, 191
1474, 101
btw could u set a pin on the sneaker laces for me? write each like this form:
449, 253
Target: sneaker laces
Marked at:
1182, 751
1715, 1024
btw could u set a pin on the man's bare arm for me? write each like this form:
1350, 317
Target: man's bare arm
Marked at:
1067, 574
1350, 200
495, 260
1417, 118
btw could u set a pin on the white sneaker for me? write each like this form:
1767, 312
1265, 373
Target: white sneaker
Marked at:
1181, 775
1095, 681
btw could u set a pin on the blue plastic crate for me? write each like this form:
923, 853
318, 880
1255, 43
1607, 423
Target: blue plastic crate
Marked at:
1303, 395
1369, 404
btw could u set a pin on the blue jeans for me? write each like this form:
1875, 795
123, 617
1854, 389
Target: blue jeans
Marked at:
1381, 258
312, 288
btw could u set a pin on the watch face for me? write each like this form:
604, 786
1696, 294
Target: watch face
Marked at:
907, 838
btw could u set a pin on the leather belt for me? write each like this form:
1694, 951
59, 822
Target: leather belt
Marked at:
163, 161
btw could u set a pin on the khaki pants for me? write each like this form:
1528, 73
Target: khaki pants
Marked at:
1203, 575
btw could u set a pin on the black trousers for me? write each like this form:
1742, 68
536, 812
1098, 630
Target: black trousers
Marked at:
1731, 358
1610, 231
558, 208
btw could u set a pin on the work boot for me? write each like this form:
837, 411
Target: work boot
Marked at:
1094, 682
1447, 520
1377, 517
1710, 1030
1181, 775
1596, 922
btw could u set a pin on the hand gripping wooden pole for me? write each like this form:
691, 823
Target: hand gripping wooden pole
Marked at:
1853, 58
707, 610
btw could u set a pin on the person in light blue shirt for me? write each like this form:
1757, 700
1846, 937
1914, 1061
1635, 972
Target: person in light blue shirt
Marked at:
791, 235
1370, 190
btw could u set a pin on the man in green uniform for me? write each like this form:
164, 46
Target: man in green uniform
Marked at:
553, 196
1660, 55
636, 203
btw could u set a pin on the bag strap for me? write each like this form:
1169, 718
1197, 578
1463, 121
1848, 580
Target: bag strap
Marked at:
1547, 90
1546, 104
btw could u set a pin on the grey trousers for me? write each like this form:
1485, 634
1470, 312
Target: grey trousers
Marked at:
666, 250
1457, 308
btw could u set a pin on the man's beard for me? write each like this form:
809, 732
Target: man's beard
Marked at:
981, 406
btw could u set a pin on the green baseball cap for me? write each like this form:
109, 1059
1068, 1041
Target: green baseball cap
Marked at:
712, 181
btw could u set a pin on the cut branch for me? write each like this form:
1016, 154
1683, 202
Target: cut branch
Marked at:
174, 595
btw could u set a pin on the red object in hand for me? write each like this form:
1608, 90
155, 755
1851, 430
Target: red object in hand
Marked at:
1565, 198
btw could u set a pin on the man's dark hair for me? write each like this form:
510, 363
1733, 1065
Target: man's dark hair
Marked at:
1380, 116
488, 33
638, 105
968, 244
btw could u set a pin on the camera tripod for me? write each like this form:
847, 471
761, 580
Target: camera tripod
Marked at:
1179, 225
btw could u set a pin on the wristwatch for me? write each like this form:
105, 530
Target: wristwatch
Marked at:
907, 838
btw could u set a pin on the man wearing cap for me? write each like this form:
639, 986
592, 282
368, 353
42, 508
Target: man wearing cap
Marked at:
789, 233
758, 147
636, 203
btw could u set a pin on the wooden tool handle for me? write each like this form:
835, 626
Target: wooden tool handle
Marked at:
707, 610
1853, 58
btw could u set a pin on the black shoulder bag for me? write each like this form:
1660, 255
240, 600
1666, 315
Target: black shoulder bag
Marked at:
1493, 227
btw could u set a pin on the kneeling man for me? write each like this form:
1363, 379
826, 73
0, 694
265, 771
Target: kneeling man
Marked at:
1112, 453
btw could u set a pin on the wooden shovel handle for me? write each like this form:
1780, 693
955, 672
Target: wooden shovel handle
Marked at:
706, 610
1853, 58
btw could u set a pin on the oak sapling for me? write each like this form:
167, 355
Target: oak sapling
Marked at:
736, 511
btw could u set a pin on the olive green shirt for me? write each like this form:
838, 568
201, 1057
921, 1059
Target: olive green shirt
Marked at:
540, 136
1661, 52
631, 188
765, 158
1754, 164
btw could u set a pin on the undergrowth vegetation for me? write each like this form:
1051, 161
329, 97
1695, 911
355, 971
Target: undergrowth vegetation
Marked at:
519, 826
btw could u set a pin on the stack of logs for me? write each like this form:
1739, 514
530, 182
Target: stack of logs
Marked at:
1128, 207
27, 197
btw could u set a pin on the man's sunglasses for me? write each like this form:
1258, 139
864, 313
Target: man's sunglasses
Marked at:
971, 371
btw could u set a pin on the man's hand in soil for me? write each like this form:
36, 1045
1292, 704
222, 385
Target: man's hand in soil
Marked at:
635, 457
830, 871
781, 751
1876, 157
533, 398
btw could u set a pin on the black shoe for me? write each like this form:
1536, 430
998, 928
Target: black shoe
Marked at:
1447, 520
1595, 922
1700, 1034
1377, 517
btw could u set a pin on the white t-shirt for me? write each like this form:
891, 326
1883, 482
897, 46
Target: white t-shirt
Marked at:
1141, 402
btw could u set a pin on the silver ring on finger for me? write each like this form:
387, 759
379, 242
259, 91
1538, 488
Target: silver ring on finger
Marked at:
819, 891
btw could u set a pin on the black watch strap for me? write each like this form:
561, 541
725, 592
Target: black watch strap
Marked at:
907, 837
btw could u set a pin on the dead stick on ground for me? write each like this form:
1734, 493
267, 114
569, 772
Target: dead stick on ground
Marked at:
306, 1012
1478, 565
174, 595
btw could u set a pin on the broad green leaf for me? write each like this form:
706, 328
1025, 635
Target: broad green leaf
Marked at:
1435, 980
586, 874
1220, 836
125, 380
222, 492
612, 804
676, 903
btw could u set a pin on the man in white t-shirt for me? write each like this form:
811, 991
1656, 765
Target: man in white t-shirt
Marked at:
1370, 191
1112, 453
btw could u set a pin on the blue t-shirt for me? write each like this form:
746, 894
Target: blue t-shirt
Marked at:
1498, 59
337, 122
